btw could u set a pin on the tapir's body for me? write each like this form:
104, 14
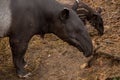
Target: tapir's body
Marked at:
21, 19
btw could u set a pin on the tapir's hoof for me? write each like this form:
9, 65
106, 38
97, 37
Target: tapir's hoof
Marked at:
24, 76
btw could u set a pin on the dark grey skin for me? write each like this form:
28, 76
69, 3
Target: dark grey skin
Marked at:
20, 20
86, 13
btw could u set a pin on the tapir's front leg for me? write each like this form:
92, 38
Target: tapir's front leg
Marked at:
18, 47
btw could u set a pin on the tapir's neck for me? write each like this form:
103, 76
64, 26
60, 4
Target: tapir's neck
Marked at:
50, 11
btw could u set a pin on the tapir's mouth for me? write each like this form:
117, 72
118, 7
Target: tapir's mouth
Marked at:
87, 55
84, 47
85, 52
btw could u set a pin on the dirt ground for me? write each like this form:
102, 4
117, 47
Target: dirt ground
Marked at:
52, 59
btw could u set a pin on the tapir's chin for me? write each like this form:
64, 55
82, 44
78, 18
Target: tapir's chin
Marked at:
86, 53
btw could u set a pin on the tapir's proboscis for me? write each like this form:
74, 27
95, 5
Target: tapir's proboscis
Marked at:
20, 20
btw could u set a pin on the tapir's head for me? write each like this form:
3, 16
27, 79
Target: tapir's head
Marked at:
97, 21
94, 17
71, 29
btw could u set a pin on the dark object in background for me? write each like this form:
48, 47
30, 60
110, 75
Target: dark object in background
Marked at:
85, 12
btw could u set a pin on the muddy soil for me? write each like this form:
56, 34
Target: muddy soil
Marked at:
52, 59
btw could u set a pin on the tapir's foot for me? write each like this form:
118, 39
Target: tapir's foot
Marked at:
24, 75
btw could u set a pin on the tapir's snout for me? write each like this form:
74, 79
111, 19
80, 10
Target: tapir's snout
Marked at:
100, 29
84, 43
101, 32
86, 46
88, 53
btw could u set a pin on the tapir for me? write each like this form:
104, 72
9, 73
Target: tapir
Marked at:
20, 20
86, 13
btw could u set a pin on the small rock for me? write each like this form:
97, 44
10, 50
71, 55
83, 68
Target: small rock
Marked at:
83, 66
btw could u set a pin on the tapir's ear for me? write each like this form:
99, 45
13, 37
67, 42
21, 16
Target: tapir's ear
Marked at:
64, 14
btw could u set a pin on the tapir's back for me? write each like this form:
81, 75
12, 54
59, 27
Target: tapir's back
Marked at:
36, 10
